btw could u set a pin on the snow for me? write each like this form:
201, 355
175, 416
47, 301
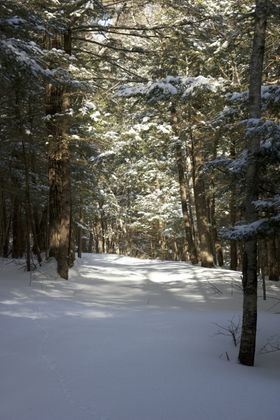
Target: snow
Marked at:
129, 339
243, 230
235, 166
270, 95
13, 21
22, 53
258, 227
183, 87
268, 203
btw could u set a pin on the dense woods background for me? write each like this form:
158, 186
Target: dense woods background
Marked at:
126, 128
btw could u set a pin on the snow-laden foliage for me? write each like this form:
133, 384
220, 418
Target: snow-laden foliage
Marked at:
183, 88
268, 204
262, 228
270, 95
269, 133
23, 56
231, 166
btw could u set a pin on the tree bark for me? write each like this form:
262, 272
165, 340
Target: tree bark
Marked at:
59, 202
18, 243
181, 167
217, 245
233, 214
5, 228
273, 258
201, 206
249, 323
191, 249
80, 232
59, 172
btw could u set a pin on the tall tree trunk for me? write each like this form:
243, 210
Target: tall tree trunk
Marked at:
249, 324
30, 224
5, 228
181, 167
28, 213
233, 214
273, 258
80, 233
217, 245
217, 248
191, 249
233, 244
90, 242
201, 206
18, 243
200, 203
59, 202
42, 229
59, 173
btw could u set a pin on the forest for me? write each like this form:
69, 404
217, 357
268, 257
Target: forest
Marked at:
146, 129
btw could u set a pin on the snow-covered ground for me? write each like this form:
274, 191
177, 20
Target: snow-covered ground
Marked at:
128, 339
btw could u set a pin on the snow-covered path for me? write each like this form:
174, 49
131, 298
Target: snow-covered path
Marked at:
129, 339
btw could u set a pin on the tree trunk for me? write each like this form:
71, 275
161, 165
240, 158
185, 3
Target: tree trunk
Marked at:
249, 324
80, 233
233, 244
42, 228
59, 173
18, 234
233, 214
90, 242
200, 203
206, 253
30, 224
181, 167
191, 249
59, 202
5, 228
216, 243
273, 259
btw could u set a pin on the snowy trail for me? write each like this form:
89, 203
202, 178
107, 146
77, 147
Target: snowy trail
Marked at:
129, 339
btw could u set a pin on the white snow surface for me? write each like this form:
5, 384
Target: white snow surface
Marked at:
129, 339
